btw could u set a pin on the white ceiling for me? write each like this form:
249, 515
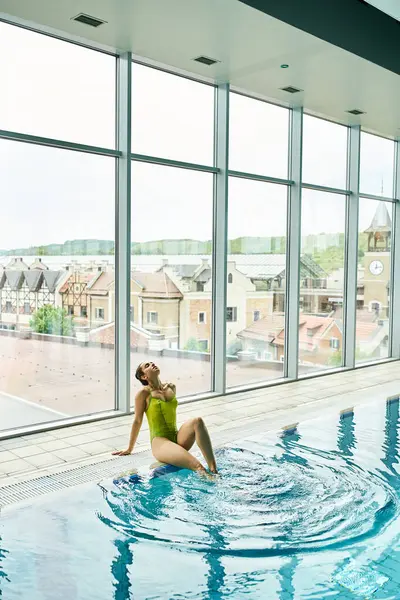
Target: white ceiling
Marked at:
250, 46
390, 7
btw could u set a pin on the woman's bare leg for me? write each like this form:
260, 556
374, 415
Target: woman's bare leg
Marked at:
173, 454
196, 430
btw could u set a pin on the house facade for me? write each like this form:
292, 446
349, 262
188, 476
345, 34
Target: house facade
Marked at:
24, 289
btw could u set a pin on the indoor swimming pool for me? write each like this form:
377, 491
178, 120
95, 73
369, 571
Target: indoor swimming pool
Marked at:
311, 513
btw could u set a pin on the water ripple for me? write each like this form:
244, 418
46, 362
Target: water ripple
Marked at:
297, 500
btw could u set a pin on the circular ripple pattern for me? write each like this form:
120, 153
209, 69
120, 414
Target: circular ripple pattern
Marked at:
298, 500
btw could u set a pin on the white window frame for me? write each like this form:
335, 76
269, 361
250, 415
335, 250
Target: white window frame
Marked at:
151, 320
372, 304
234, 314
334, 343
97, 313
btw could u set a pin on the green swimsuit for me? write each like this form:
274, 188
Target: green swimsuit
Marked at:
161, 416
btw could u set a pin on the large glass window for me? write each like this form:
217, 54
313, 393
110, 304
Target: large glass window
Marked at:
322, 267
259, 137
56, 89
376, 165
171, 285
256, 272
373, 281
324, 153
57, 245
172, 117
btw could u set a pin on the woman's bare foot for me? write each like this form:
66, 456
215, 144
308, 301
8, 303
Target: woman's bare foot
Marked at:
203, 473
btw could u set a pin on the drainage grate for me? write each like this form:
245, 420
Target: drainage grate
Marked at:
26, 490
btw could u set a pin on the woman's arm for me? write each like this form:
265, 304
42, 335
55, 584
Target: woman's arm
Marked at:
140, 407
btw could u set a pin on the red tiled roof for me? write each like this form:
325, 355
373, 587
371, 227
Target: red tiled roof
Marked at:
77, 278
152, 284
271, 329
101, 282
158, 284
365, 331
266, 328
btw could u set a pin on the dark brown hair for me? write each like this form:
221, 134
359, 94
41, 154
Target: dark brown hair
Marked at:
139, 376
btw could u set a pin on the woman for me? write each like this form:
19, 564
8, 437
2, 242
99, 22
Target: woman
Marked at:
158, 401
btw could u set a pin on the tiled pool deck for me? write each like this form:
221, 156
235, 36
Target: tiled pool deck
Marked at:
227, 417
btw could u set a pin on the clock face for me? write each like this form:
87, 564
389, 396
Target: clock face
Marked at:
376, 267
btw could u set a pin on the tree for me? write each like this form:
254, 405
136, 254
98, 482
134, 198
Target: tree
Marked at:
335, 359
192, 345
51, 320
330, 259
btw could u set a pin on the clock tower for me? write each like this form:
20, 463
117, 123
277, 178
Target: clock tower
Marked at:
377, 262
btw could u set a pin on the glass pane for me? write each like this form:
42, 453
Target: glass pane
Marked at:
376, 165
56, 89
373, 282
256, 284
324, 153
321, 281
258, 137
54, 355
172, 117
171, 287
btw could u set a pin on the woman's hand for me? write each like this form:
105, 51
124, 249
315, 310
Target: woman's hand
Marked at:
122, 452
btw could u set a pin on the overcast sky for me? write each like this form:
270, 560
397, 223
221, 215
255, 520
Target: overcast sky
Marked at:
59, 90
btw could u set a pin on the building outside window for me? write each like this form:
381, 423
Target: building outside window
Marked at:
173, 276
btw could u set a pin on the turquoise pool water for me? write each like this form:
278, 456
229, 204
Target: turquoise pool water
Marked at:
310, 515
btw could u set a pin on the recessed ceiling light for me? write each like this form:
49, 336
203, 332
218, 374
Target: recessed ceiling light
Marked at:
291, 89
356, 111
206, 60
88, 20
284, 66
